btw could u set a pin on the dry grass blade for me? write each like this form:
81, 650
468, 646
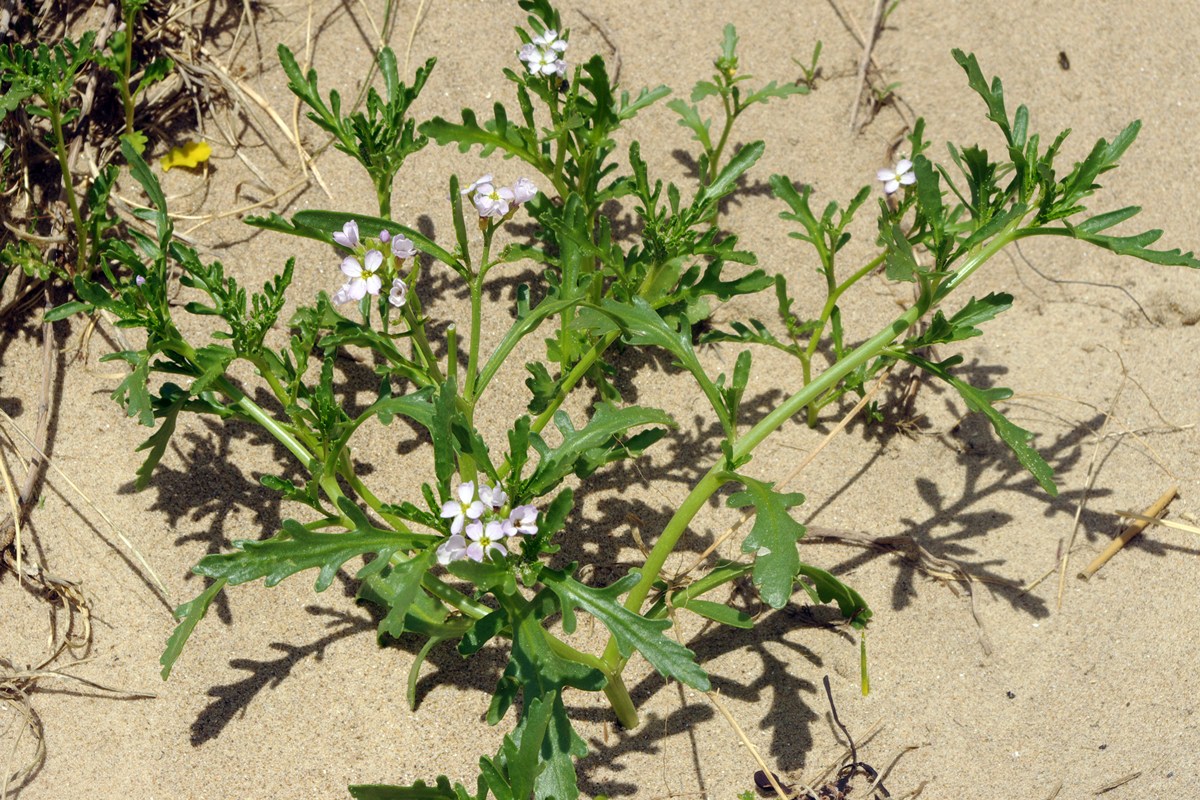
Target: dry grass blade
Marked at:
779, 790
1087, 489
1166, 523
238, 87
864, 64
11, 524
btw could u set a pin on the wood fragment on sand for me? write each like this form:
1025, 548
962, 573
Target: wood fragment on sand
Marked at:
1134, 528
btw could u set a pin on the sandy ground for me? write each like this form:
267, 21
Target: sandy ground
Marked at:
284, 693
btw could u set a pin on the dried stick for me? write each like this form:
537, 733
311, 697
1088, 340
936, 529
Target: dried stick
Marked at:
1136, 527
868, 47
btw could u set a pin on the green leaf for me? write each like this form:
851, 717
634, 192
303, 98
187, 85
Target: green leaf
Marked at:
827, 589
417, 791
771, 90
514, 771
1135, 246
142, 174
982, 400
296, 548
719, 612
155, 71
642, 325
901, 260
133, 394
584, 449
188, 614
726, 180
157, 443
630, 108
773, 538
513, 140
632, 631
963, 324
689, 117
398, 584
69, 309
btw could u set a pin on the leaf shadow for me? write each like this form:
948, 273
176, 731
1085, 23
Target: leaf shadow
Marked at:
231, 699
789, 718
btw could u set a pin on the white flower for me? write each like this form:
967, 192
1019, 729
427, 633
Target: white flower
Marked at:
485, 180
363, 280
341, 296
491, 201
551, 41
398, 294
453, 549
521, 520
894, 178
523, 191
485, 540
466, 506
384, 236
542, 61
402, 248
495, 498
140, 280
348, 236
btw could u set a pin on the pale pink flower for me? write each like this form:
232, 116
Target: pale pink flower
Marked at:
348, 236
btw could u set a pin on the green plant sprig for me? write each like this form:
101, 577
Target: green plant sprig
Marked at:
726, 86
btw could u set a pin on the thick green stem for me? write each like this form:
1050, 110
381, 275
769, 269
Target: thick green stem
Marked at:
476, 321
448, 594
256, 413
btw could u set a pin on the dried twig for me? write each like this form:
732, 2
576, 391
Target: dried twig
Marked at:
1136, 527
865, 62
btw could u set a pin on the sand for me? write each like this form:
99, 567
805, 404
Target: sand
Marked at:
284, 693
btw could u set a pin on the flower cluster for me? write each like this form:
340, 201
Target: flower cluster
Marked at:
893, 179
478, 525
498, 201
366, 277
543, 54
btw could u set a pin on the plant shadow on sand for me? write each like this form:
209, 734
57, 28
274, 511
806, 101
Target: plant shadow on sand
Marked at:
786, 680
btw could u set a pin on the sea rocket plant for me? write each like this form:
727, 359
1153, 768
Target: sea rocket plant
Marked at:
596, 289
